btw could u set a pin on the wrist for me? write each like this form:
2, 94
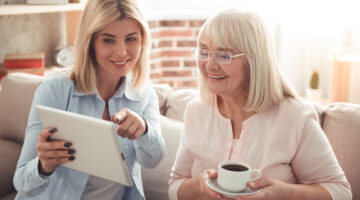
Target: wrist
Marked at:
43, 171
145, 125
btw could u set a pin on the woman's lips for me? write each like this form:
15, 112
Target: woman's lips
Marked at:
119, 62
217, 77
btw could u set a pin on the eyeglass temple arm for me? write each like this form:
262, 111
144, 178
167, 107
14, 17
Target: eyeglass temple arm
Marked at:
237, 55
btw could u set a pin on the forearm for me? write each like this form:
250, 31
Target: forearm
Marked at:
27, 180
309, 192
150, 148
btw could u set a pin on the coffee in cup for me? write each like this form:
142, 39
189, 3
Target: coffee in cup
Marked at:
233, 176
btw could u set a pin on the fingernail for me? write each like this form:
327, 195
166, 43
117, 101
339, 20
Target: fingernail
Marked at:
71, 151
52, 130
251, 184
68, 144
119, 117
72, 158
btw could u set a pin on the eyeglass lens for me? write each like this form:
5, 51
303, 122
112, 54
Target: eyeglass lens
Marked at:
220, 57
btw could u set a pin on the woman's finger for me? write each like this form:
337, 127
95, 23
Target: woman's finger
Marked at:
260, 183
56, 154
123, 127
53, 145
119, 117
51, 164
46, 133
132, 129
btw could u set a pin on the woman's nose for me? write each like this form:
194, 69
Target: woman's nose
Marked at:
120, 50
212, 63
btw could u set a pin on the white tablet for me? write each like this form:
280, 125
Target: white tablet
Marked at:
98, 150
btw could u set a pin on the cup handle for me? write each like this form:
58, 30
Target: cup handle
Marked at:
258, 172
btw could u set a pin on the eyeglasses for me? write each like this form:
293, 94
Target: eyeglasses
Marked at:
220, 56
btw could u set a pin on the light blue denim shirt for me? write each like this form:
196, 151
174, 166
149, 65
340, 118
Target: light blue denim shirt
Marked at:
60, 92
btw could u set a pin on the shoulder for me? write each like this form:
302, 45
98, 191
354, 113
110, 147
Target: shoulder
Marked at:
54, 91
57, 86
142, 95
57, 81
298, 106
296, 109
147, 92
196, 103
198, 109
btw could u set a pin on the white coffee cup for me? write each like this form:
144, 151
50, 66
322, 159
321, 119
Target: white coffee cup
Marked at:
233, 176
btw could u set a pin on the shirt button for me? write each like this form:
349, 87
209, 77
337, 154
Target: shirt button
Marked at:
126, 146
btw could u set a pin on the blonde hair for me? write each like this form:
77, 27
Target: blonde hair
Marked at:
97, 14
245, 32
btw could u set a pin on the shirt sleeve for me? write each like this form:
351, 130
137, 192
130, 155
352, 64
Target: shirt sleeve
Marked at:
315, 161
27, 179
150, 147
183, 164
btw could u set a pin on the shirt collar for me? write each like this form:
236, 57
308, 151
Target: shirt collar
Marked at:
124, 90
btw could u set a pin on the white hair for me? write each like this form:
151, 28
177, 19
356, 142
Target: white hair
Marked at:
246, 32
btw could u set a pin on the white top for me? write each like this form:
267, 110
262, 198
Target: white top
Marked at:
285, 142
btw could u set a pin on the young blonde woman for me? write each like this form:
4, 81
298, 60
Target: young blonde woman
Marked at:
248, 112
109, 78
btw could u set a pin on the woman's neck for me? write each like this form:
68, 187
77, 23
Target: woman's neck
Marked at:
233, 107
107, 87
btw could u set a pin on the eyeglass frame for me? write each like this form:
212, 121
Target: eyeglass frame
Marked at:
229, 56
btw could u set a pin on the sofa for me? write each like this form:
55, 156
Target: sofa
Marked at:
340, 122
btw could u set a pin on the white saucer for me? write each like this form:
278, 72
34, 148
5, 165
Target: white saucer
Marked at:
212, 183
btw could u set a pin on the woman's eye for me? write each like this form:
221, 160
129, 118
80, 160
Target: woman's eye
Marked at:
130, 39
203, 53
107, 40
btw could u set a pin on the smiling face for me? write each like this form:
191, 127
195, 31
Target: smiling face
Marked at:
117, 48
226, 80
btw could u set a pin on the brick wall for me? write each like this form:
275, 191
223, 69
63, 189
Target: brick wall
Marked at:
171, 60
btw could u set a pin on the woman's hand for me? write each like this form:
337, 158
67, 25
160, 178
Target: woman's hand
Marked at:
131, 125
272, 189
204, 189
52, 153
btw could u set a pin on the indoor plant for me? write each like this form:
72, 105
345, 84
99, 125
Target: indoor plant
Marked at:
314, 93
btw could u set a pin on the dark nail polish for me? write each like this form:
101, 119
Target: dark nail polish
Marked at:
72, 158
52, 130
71, 151
68, 144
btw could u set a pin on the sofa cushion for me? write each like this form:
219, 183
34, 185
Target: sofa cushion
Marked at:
9, 154
9, 196
177, 101
17, 92
156, 180
342, 126
320, 109
162, 91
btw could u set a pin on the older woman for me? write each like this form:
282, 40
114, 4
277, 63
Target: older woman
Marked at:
248, 112
109, 81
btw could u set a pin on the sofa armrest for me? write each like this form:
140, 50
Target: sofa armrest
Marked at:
9, 155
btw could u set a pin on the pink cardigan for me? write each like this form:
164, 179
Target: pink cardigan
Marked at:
285, 141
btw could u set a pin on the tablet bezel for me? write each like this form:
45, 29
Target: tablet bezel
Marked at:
98, 149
